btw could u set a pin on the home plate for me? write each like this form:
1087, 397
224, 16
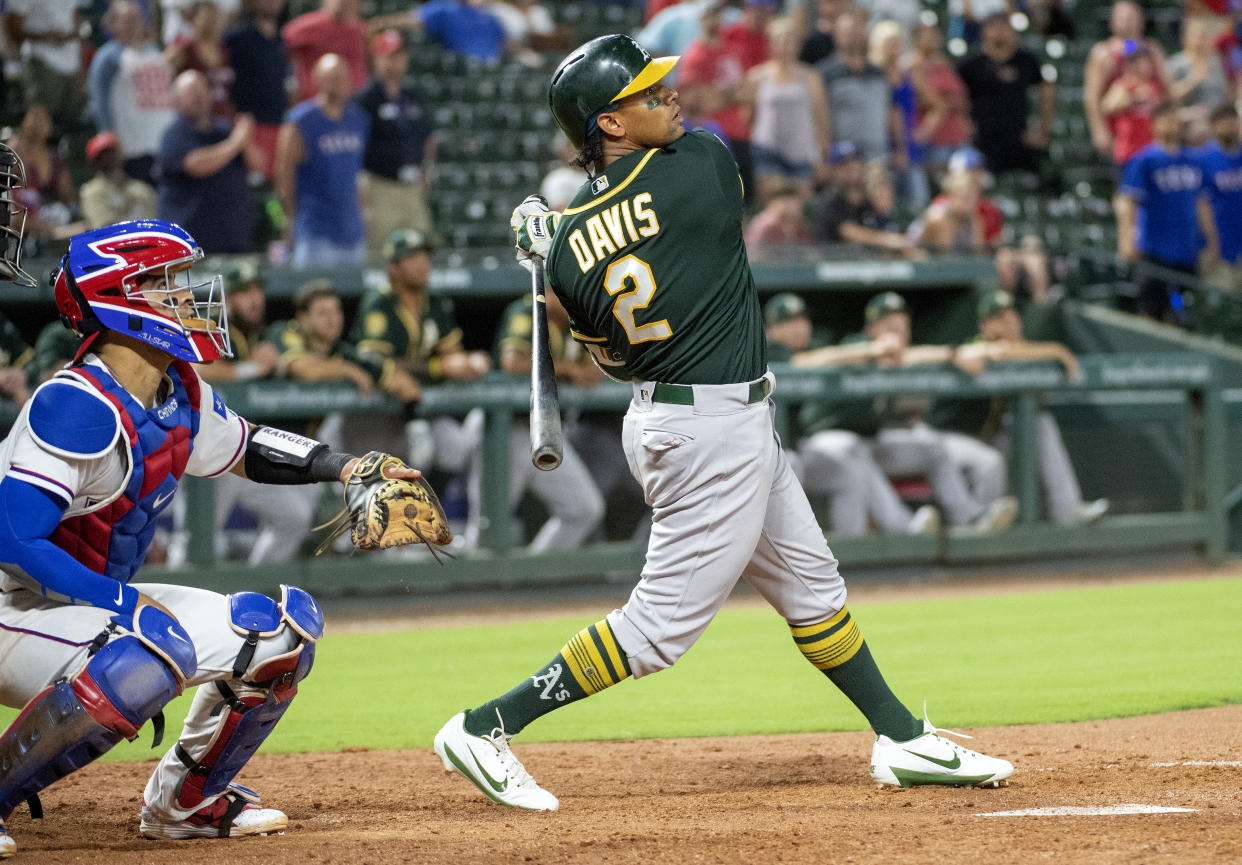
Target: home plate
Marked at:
1088, 811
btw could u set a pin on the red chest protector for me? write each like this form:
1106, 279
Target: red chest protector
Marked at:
113, 540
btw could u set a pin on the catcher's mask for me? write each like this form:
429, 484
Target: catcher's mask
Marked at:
12, 218
133, 278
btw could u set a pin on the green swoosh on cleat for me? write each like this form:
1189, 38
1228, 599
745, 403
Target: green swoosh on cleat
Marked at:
498, 786
948, 764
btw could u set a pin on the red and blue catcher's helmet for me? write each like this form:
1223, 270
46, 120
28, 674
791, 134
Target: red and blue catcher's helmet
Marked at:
133, 278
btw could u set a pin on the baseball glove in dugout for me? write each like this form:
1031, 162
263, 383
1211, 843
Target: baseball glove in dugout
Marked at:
382, 512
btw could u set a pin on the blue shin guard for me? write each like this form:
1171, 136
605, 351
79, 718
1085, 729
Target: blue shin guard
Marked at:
123, 685
248, 720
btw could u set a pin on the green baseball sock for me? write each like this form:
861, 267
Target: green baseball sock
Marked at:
590, 662
837, 648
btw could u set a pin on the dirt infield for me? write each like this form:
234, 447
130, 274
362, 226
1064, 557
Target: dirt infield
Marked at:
798, 798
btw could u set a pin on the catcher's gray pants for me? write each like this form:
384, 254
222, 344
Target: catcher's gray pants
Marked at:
921, 451
1055, 469
42, 641
725, 504
839, 464
574, 503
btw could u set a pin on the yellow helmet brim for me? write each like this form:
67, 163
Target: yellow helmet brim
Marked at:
652, 72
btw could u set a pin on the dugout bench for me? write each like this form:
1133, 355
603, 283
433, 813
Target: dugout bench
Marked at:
1115, 390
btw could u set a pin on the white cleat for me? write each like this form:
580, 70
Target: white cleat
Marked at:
7, 845
231, 816
925, 521
933, 759
997, 516
489, 763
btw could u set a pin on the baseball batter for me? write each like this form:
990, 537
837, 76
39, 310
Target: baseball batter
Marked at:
649, 262
93, 459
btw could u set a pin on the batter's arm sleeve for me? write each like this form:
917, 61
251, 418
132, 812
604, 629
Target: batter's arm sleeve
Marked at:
28, 517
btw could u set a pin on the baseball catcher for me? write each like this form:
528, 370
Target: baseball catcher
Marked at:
94, 458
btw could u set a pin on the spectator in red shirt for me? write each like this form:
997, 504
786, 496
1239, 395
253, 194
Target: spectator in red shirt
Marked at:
747, 38
943, 105
709, 67
334, 29
1106, 63
1128, 103
969, 162
1229, 47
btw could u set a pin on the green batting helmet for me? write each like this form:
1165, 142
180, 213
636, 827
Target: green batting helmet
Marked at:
598, 74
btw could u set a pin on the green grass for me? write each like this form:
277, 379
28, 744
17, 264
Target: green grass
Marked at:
1023, 658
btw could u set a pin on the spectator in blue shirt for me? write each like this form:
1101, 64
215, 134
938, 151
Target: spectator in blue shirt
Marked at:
1164, 217
202, 180
1222, 168
318, 160
464, 27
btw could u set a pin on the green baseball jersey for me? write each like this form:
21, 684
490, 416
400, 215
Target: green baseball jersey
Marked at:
386, 329
291, 342
976, 416
244, 340
13, 349
516, 330
649, 261
54, 347
865, 416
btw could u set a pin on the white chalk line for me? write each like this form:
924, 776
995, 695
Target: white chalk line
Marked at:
1230, 763
1088, 811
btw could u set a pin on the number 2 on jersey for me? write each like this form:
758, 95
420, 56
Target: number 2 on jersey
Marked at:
634, 274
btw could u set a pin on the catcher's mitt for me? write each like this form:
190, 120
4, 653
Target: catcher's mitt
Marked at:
382, 512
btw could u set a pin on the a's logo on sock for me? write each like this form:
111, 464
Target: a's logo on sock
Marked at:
548, 681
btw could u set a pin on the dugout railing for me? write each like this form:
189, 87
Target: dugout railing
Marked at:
1181, 389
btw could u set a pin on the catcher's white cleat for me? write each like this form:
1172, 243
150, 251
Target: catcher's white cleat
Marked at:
7, 845
933, 759
230, 816
489, 763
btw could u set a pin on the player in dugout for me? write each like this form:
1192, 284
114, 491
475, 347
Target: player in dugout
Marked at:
95, 456
649, 261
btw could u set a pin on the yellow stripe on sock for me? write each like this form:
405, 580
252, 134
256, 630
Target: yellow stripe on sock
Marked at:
585, 663
619, 662
841, 640
819, 627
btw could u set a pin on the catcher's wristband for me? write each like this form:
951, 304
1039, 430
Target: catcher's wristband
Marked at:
275, 456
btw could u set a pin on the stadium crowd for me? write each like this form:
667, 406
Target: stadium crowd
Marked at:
299, 140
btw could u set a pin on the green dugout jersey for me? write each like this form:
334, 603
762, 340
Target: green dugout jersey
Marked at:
649, 261
388, 330
516, 330
244, 340
290, 342
54, 347
865, 416
13, 349
976, 416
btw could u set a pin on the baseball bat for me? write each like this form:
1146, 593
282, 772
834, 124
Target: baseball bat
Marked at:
547, 443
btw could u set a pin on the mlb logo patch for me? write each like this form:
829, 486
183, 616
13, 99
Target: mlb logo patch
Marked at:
598, 185
218, 405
